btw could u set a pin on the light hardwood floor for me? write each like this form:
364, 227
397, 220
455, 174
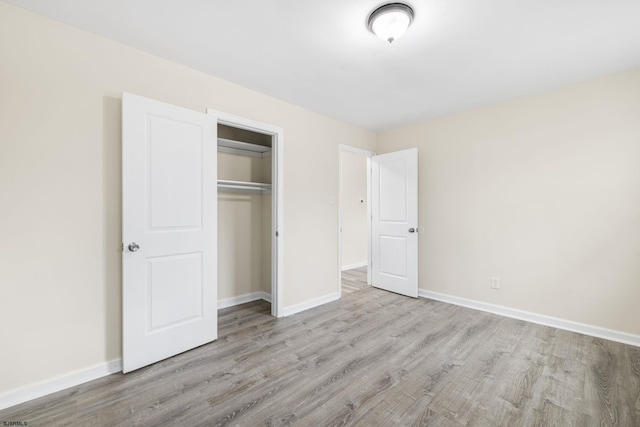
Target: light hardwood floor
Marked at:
354, 280
371, 359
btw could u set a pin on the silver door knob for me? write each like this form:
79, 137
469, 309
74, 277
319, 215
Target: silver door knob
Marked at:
412, 230
133, 247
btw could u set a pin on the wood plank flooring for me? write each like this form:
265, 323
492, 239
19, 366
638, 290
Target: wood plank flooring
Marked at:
354, 280
371, 359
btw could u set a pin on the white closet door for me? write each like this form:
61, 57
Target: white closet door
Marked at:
169, 208
394, 223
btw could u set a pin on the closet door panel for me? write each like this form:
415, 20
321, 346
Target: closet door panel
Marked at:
169, 230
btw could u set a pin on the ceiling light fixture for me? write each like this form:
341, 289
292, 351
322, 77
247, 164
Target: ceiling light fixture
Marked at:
390, 21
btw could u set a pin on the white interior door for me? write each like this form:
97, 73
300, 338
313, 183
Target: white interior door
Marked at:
394, 222
169, 227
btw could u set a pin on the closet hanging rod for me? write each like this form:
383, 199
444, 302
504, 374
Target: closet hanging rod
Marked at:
244, 186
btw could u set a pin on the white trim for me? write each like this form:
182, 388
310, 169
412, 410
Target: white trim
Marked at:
356, 150
62, 382
293, 309
568, 325
355, 265
244, 123
369, 224
242, 299
277, 218
277, 208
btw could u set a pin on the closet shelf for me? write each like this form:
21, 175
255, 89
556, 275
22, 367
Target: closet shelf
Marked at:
244, 186
243, 148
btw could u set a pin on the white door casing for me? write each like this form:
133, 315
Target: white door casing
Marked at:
394, 223
277, 200
169, 208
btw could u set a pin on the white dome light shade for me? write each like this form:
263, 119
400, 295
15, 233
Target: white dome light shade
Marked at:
390, 21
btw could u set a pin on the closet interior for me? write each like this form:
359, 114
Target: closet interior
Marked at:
245, 200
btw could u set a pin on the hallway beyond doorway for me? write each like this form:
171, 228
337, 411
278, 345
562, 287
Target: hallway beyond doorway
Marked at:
354, 280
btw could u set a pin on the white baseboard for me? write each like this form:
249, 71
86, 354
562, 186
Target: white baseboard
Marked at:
581, 328
352, 266
241, 299
62, 382
288, 311
265, 296
24, 394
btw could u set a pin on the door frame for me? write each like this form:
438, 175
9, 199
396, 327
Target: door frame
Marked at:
368, 154
277, 205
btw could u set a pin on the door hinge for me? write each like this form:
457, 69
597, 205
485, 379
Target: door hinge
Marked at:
277, 234
121, 247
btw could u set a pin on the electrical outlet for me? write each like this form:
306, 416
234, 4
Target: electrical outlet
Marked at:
495, 282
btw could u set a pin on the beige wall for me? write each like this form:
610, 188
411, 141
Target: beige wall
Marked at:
60, 226
244, 238
355, 235
542, 191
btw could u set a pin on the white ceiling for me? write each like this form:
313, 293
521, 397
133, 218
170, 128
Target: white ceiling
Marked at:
458, 54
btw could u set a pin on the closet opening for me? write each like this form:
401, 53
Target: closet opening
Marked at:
249, 208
